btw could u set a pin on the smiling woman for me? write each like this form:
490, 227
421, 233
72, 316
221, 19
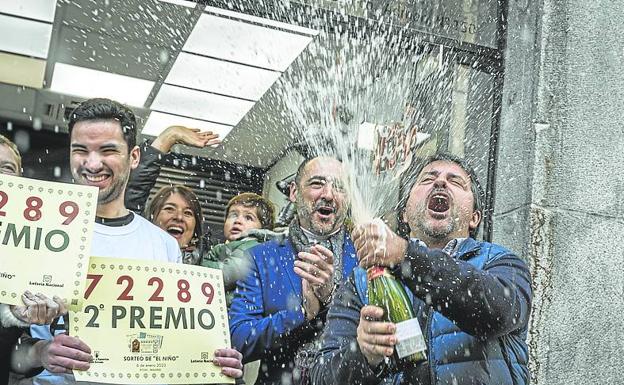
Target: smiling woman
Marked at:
176, 210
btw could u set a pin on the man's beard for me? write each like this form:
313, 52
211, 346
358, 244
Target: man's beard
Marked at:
305, 211
112, 192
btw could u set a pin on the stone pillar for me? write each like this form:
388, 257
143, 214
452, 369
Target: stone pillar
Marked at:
560, 182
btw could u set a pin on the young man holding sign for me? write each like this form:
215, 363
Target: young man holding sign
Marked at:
103, 151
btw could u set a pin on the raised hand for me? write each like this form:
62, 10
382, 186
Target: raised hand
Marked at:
184, 135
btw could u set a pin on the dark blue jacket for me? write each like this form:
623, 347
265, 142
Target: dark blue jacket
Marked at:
266, 317
473, 309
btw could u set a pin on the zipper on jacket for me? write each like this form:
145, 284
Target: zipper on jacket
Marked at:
429, 313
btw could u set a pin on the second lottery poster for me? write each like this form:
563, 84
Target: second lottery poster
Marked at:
150, 322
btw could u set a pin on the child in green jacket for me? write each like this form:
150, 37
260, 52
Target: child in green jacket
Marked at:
249, 219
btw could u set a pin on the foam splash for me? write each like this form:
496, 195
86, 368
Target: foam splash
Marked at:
368, 97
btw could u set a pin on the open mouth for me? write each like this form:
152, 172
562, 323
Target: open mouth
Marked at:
235, 233
325, 210
175, 231
439, 203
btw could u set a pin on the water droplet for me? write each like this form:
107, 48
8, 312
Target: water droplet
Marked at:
163, 56
37, 124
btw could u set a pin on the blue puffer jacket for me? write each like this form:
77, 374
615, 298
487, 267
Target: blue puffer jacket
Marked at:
475, 320
266, 317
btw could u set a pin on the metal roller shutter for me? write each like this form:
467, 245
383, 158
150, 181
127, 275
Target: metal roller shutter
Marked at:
214, 183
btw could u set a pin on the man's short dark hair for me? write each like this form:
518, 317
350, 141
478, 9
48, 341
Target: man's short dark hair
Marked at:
411, 175
106, 109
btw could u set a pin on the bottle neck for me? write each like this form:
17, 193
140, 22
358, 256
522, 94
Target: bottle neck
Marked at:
376, 272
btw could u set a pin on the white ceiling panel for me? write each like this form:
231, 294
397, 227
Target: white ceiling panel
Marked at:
33, 9
245, 43
25, 37
260, 20
200, 105
158, 122
22, 71
220, 77
184, 3
88, 83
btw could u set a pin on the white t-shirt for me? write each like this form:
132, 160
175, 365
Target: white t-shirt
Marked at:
139, 239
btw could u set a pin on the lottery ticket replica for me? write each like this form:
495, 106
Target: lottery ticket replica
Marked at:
45, 237
152, 323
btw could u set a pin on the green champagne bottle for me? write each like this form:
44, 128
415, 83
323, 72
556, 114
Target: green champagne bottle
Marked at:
388, 293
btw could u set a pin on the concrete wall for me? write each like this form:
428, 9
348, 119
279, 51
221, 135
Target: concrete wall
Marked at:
560, 187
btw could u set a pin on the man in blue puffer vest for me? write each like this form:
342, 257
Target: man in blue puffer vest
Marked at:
472, 299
